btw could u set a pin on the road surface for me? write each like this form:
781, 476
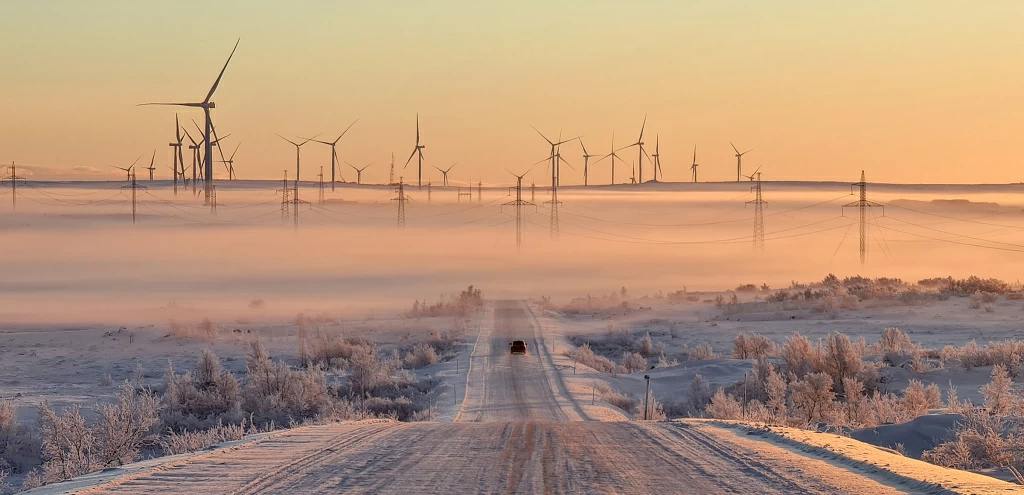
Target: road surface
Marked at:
519, 431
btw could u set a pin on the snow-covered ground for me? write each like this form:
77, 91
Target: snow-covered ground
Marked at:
519, 431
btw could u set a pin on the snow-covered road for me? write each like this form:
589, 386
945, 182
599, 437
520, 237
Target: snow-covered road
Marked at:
518, 431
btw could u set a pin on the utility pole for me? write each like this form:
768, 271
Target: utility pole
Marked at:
13, 178
401, 199
518, 203
758, 203
862, 204
647, 395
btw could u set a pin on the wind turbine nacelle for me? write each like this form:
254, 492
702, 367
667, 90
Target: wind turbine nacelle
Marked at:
211, 105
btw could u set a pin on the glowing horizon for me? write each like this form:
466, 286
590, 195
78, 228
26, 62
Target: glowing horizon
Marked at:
915, 92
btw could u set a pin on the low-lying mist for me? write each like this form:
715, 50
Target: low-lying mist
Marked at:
73, 256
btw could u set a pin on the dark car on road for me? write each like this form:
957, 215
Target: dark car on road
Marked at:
518, 347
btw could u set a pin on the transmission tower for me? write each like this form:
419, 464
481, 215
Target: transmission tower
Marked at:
758, 203
321, 176
284, 197
518, 203
479, 191
134, 186
533, 191
391, 174
401, 199
13, 179
862, 205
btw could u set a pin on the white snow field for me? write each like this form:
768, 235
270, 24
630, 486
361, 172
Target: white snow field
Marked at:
521, 428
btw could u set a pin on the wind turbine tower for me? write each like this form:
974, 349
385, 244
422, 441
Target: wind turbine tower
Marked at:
640, 152
418, 153
334, 151
862, 204
207, 105
444, 174
359, 171
151, 168
176, 155
694, 165
739, 161
613, 155
586, 163
656, 159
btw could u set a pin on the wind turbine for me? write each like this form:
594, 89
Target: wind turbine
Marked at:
207, 105
176, 156
129, 169
417, 151
195, 158
334, 151
694, 166
656, 159
151, 168
739, 161
640, 154
359, 171
586, 163
298, 146
756, 174
444, 174
230, 163
554, 157
613, 155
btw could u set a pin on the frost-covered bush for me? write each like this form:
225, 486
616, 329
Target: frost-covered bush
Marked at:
192, 441
752, 346
421, 355
201, 398
585, 355
633, 362
724, 406
801, 357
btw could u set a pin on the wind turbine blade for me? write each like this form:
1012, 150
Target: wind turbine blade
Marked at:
152, 159
350, 126
177, 128
414, 150
734, 148
542, 135
286, 139
417, 129
216, 83
642, 126
170, 104
236, 151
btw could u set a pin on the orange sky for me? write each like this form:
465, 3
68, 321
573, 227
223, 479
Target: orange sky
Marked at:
926, 91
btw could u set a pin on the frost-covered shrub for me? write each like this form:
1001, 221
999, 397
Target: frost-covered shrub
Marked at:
585, 355
813, 395
752, 346
191, 441
724, 406
801, 357
840, 358
421, 355
201, 398
19, 445
633, 362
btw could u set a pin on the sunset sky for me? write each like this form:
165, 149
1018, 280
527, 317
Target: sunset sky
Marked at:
911, 91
